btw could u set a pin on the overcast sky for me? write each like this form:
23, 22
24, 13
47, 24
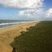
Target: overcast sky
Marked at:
26, 9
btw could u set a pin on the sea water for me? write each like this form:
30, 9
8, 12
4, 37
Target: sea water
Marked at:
6, 23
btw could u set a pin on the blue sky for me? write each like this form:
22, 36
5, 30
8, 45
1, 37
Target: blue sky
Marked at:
48, 3
19, 9
7, 12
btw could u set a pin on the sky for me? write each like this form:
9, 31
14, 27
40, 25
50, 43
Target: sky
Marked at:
26, 9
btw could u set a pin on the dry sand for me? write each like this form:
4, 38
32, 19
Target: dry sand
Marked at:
8, 34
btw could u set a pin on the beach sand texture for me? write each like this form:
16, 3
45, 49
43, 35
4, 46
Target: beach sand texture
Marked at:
7, 35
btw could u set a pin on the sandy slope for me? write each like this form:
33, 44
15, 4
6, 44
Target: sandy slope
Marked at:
8, 34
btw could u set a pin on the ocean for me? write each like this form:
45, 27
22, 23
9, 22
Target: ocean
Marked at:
6, 23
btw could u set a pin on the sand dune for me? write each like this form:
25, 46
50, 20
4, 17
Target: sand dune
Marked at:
8, 34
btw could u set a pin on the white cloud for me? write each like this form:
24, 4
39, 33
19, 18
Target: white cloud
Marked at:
22, 3
35, 11
49, 13
34, 7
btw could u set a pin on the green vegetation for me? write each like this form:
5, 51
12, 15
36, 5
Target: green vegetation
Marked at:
37, 39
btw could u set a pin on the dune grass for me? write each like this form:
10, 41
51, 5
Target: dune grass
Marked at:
37, 39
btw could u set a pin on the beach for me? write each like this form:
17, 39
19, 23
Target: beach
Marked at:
8, 34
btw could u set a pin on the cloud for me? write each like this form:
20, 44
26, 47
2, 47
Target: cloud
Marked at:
35, 11
49, 13
8, 3
22, 3
29, 9
32, 8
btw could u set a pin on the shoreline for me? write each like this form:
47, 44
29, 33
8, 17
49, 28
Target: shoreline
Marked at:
15, 29
8, 34
4, 25
17, 24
